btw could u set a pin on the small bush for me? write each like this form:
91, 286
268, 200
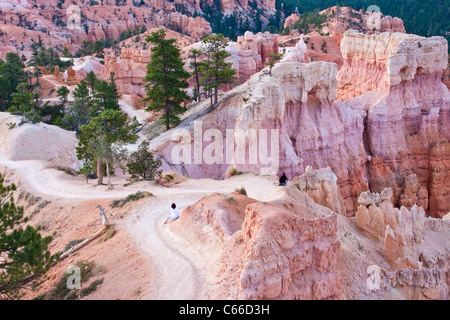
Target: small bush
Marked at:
132, 197
229, 197
232, 172
169, 177
61, 292
242, 191
92, 287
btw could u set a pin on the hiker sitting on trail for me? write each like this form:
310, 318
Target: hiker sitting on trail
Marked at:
283, 180
173, 214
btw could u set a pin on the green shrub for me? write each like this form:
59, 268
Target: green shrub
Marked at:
132, 197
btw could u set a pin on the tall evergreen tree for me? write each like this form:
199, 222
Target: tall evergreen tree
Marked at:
63, 93
196, 72
216, 71
102, 136
26, 103
91, 80
81, 109
11, 74
166, 78
106, 94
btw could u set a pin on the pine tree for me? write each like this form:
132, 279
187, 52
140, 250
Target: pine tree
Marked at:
196, 72
81, 109
98, 48
106, 94
66, 53
216, 71
25, 102
63, 93
166, 78
23, 251
141, 164
101, 138
11, 74
91, 80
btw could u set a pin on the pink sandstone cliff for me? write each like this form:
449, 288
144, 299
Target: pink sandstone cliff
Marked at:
408, 110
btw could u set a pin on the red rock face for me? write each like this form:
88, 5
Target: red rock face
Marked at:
278, 269
408, 110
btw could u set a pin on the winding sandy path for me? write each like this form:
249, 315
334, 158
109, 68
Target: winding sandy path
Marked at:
177, 276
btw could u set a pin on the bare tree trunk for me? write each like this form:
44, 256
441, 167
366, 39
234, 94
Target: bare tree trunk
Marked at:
108, 174
99, 172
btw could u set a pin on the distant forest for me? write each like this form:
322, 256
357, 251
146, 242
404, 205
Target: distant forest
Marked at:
422, 17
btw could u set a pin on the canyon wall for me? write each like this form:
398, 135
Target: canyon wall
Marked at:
377, 62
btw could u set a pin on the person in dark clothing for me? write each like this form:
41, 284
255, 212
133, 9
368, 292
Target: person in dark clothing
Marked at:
283, 180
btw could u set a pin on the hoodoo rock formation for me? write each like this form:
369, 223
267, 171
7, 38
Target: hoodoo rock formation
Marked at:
408, 109
249, 54
410, 241
395, 126
129, 70
389, 24
321, 186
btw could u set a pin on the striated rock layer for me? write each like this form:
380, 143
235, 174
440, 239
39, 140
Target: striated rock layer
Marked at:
377, 62
408, 114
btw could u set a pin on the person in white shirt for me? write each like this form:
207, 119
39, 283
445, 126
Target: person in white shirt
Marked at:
174, 215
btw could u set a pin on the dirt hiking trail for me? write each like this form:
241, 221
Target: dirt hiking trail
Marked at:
177, 276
